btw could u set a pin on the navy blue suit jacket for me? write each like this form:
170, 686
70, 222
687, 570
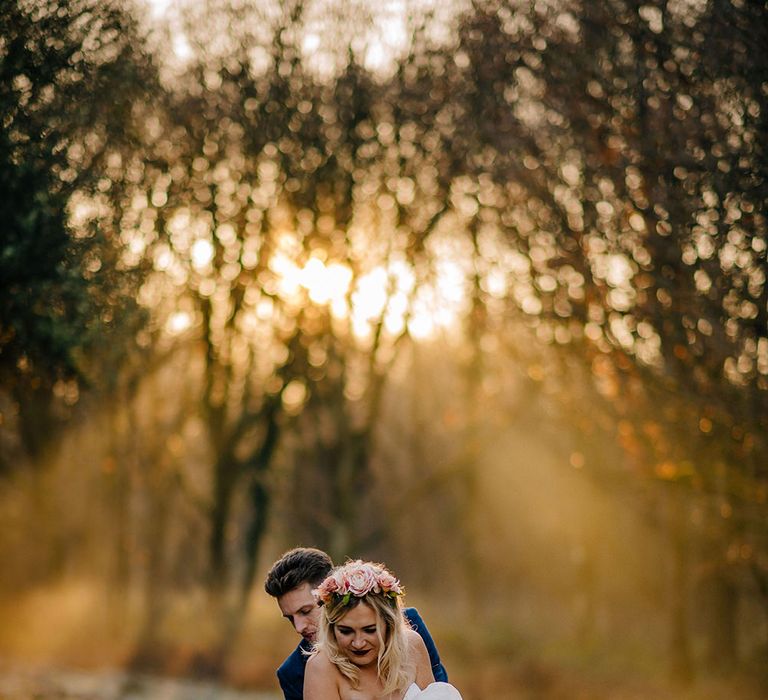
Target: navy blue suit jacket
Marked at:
291, 671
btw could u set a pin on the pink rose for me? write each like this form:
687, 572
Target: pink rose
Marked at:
327, 588
361, 579
388, 583
340, 581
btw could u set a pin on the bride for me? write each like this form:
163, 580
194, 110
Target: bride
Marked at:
365, 648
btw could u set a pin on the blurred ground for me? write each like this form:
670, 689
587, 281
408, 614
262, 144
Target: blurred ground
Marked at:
25, 682
59, 644
521, 682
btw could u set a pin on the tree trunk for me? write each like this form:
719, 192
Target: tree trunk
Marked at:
148, 654
722, 647
681, 667
224, 484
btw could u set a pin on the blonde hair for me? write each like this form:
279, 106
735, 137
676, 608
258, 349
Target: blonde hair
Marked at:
391, 626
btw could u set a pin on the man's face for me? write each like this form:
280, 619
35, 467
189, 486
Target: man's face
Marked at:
301, 610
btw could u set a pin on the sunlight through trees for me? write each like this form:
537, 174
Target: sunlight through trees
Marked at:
299, 271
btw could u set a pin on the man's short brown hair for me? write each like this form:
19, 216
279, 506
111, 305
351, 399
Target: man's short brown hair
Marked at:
296, 567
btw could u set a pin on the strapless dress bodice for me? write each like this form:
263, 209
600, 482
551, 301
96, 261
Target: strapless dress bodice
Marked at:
434, 691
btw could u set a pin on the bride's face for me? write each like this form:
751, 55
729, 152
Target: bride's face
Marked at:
356, 635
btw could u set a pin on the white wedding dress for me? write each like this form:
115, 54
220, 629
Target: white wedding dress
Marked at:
434, 691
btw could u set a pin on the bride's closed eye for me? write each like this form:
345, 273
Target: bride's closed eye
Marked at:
349, 630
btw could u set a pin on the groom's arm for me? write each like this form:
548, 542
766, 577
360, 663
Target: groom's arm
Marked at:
291, 675
438, 670
291, 691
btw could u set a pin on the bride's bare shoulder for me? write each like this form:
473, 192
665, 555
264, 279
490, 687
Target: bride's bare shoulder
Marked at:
319, 662
419, 657
414, 639
321, 679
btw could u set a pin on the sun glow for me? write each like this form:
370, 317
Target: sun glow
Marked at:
178, 322
202, 253
386, 294
326, 284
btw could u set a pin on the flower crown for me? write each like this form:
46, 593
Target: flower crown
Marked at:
357, 578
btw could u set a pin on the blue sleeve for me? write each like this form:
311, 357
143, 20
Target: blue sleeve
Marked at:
288, 686
291, 675
438, 670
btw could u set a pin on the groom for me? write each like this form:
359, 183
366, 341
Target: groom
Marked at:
291, 581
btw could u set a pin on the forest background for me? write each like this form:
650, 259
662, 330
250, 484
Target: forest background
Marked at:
475, 289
